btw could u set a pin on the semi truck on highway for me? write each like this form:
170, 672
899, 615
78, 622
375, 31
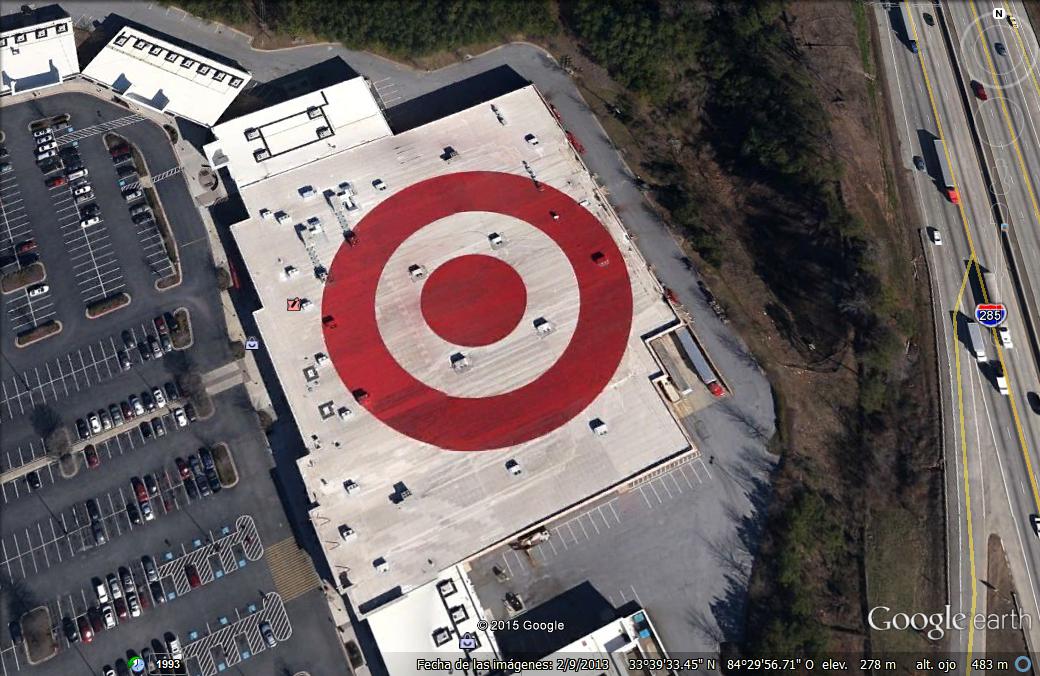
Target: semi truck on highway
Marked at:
945, 177
990, 280
978, 348
910, 42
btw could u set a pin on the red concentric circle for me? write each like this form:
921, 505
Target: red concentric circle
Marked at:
411, 407
474, 300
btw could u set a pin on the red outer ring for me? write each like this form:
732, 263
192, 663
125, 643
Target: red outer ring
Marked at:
475, 424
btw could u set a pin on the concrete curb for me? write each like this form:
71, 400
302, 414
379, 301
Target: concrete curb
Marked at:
191, 332
38, 281
129, 299
57, 322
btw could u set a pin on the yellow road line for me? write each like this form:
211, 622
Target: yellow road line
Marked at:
1028, 179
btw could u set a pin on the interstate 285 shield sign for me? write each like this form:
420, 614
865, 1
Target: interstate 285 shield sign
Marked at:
990, 315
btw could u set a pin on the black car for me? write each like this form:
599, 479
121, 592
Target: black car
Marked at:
166, 343
158, 427
191, 488
999, 46
93, 510
146, 352
33, 479
49, 165
126, 170
82, 429
157, 593
68, 153
213, 480
133, 514
124, 360
151, 484
919, 162
118, 159
1034, 401
138, 219
206, 457
71, 632
146, 430
91, 209
15, 628
189, 410
128, 340
172, 394
146, 399
171, 321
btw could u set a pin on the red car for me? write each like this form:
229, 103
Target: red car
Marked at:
139, 490
56, 181
979, 90
96, 621
120, 149
121, 610
91, 454
193, 575
183, 468
86, 634
352, 239
25, 247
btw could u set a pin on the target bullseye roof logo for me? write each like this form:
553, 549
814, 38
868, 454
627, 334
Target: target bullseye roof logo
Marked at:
477, 300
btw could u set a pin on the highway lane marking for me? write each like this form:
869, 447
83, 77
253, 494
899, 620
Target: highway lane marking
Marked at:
1036, 211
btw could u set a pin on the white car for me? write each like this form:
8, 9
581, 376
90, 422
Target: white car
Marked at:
180, 417
160, 398
1013, 21
87, 222
173, 646
45, 154
95, 423
79, 173
82, 190
109, 616
137, 405
48, 145
1004, 333
935, 236
38, 290
39, 133
46, 138
1034, 522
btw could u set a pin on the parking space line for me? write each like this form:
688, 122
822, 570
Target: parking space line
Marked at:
583, 530
568, 524
664, 485
656, 494
643, 493
612, 509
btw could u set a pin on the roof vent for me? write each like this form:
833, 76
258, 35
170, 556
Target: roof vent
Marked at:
460, 362
261, 154
313, 112
416, 272
543, 326
446, 587
252, 134
324, 132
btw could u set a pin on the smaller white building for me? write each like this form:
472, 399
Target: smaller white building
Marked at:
37, 49
429, 622
168, 78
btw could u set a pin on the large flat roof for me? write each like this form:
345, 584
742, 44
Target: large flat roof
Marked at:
37, 49
290, 132
152, 71
512, 172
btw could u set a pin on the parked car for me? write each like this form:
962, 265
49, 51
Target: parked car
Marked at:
124, 360
119, 159
37, 290
132, 604
56, 181
40, 133
77, 172
51, 165
91, 455
149, 403
151, 484
172, 393
121, 610
97, 623
133, 514
192, 573
150, 571
140, 209
180, 417
267, 633
136, 404
69, 627
158, 427
93, 511
128, 410
25, 247
999, 46
189, 410
119, 149
157, 592
166, 343
153, 343
141, 218
99, 533
86, 632
82, 430
139, 489
145, 350
15, 628
160, 398
95, 423
128, 340
132, 194
82, 189
117, 415
32, 479
146, 430
106, 422
108, 615
87, 222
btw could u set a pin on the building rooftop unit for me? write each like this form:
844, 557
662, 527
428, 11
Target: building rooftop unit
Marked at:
171, 78
495, 183
37, 49
293, 133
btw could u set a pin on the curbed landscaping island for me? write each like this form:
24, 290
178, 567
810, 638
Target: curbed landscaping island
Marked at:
19, 279
40, 642
41, 332
182, 336
100, 308
225, 465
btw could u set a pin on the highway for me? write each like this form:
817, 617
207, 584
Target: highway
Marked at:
990, 439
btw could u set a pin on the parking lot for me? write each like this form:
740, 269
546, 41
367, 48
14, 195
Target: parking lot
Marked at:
58, 533
635, 545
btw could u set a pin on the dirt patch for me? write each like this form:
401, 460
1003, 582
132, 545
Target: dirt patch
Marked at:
19, 279
40, 642
1008, 640
100, 308
225, 465
41, 332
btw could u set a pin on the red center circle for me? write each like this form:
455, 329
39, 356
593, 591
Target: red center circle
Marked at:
474, 300
351, 309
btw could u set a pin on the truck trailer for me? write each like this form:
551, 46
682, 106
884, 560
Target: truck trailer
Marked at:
700, 364
978, 348
945, 177
905, 13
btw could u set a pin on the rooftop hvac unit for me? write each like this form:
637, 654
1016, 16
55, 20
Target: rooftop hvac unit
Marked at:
344, 413
598, 427
497, 241
320, 358
441, 637
460, 362
252, 134
326, 410
282, 217
351, 486
378, 184
498, 114
266, 214
449, 154
543, 326
291, 271
381, 565
459, 614
446, 587
313, 112
308, 192
310, 374
416, 272
261, 154
346, 533
324, 132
